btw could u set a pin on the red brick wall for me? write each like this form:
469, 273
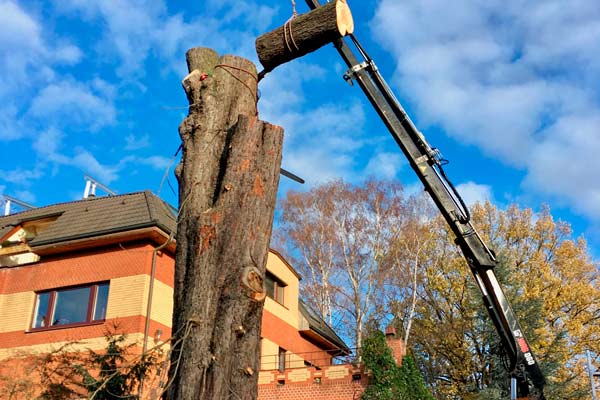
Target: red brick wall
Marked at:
78, 268
345, 383
81, 268
395, 344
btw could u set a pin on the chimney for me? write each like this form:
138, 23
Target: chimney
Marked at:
395, 344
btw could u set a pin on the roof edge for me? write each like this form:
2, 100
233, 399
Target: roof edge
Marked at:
104, 232
282, 258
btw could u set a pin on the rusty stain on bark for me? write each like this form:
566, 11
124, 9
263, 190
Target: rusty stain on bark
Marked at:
215, 218
208, 233
245, 165
258, 189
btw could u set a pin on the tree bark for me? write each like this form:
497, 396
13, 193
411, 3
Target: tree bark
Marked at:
228, 179
304, 34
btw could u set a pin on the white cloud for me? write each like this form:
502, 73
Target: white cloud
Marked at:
136, 30
472, 193
128, 26
47, 146
71, 103
49, 149
384, 165
10, 127
26, 196
522, 86
25, 56
155, 162
321, 142
86, 161
68, 55
133, 142
21, 176
565, 164
317, 165
19, 38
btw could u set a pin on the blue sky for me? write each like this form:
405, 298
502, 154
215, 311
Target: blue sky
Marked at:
507, 90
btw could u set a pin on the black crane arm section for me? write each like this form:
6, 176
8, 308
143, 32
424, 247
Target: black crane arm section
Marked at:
427, 164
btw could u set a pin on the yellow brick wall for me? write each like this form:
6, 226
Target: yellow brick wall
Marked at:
98, 343
268, 354
128, 296
16, 310
289, 310
162, 303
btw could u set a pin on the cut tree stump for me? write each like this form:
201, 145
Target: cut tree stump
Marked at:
228, 179
304, 34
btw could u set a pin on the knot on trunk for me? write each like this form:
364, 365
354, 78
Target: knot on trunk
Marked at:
253, 280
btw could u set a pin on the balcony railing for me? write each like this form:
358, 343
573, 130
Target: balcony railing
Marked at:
317, 359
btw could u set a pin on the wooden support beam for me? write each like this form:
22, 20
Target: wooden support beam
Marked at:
304, 34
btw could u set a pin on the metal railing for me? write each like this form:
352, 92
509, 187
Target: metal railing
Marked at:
317, 359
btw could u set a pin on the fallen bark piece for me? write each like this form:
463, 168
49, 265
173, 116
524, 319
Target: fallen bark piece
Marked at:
304, 34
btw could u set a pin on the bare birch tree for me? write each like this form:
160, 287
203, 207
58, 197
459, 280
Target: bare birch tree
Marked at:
339, 236
411, 252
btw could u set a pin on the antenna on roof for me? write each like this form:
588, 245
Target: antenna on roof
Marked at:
90, 187
9, 200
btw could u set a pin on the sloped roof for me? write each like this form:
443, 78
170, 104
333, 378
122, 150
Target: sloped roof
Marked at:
318, 325
95, 216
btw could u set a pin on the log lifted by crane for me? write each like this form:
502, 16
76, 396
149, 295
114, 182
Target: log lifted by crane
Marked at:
304, 34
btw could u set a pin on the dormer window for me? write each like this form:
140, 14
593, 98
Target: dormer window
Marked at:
275, 287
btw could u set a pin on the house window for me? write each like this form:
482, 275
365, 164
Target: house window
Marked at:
275, 287
281, 359
78, 305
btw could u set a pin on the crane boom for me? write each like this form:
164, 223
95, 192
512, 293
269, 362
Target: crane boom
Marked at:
428, 165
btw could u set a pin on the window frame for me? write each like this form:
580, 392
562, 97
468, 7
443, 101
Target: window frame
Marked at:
278, 288
282, 359
51, 308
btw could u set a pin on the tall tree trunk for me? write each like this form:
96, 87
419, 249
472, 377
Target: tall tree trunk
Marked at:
228, 179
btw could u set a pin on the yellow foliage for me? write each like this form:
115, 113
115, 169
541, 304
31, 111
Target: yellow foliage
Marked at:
552, 283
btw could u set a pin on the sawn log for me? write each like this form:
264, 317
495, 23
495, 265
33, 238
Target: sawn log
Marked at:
304, 34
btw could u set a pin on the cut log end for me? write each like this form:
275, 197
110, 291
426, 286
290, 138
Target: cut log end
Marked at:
201, 58
304, 34
345, 22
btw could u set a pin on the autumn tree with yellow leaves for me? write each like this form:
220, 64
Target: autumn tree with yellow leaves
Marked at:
419, 280
553, 286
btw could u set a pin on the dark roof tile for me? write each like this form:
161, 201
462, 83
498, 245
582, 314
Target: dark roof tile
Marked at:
317, 324
96, 216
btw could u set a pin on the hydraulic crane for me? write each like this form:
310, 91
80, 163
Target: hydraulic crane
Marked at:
428, 165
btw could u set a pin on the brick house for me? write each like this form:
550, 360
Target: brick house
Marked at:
69, 270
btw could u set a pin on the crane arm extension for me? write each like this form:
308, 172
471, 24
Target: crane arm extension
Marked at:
427, 164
